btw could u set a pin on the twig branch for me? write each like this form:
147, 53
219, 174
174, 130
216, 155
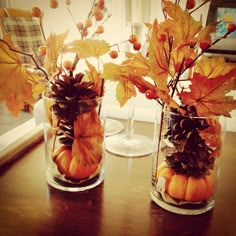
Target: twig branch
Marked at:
26, 54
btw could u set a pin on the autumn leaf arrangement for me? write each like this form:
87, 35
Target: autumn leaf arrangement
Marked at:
176, 73
77, 95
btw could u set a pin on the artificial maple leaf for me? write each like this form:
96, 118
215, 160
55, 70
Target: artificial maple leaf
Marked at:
124, 91
136, 65
54, 44
157, 60
88, 138
212, 136
95, 77
182, 26
208, 96
15, 101
112, 72
118, 73
213, 67
88, 48
205, 34
15, 84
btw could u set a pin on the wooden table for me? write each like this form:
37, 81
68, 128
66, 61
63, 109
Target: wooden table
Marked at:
121, 205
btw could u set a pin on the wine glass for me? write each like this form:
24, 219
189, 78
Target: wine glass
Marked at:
129, 144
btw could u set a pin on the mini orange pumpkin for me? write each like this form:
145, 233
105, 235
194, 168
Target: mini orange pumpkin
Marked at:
71, 166
186, 188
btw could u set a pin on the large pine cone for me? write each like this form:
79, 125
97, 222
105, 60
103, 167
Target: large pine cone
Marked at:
72, 98
186, 152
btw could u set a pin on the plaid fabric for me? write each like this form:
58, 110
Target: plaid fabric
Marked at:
25, 33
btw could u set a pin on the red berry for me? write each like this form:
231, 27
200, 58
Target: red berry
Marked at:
113, 54
141, 89
42, 50
132, 38
190, 4
100, 29
204, 46
150, 94
231, 28
101, 4
137, 46
163, 37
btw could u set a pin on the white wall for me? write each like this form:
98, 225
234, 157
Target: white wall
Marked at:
116, 30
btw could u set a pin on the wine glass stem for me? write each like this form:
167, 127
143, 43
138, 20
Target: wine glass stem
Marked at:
130, 120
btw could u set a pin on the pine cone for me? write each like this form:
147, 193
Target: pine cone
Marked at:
189, 155
73, 98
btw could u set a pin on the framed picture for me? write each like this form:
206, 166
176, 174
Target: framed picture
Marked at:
225, 16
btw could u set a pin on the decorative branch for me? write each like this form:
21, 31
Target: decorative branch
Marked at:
26, 54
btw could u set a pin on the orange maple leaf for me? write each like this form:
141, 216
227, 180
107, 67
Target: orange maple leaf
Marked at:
212, 136
208, 96
88, 138
16, 82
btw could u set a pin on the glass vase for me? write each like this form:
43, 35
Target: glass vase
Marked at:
185, 166
74, 143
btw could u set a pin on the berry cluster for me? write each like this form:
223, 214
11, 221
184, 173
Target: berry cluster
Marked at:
133, 40
96, 14
136, 44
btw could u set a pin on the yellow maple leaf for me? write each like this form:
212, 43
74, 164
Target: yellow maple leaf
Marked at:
55, 45
213, 67
88, 48
182, 24
136, 64
15, 86
124, 91
95, 77
125, 88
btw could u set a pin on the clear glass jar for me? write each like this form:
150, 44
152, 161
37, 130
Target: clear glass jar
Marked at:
74, 143
185, 167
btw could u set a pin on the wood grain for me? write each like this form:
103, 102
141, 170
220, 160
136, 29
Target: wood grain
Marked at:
121, 205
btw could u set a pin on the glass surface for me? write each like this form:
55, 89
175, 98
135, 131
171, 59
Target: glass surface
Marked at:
112, 127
